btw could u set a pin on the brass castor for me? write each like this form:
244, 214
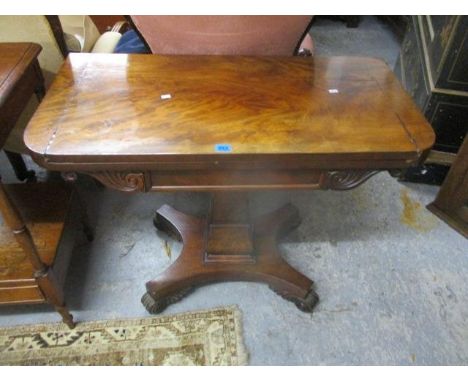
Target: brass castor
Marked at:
154, 306
151, 305
307, 304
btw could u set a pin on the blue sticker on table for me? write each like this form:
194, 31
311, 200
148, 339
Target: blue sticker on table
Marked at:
223, 148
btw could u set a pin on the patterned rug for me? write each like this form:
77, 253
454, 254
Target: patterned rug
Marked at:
211, 337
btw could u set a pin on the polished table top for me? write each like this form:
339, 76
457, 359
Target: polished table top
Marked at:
203, 110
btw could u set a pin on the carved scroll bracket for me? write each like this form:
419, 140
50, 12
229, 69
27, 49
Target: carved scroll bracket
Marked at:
347, 180
122, 181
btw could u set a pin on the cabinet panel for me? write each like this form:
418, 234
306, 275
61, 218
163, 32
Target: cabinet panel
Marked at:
21, 294
410, 67
433, 66
456, 71
448, 116
437, 32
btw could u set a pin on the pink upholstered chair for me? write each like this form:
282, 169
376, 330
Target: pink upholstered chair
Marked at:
225, 35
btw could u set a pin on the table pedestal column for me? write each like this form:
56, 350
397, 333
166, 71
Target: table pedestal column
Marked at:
228, 246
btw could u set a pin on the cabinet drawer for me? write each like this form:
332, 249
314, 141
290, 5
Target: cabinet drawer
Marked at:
21, 294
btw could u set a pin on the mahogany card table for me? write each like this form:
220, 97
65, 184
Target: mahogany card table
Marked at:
227, 126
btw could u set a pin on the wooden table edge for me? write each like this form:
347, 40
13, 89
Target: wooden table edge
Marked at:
30, 54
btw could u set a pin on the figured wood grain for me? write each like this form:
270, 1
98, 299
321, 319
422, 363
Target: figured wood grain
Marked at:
151, 122
106, 110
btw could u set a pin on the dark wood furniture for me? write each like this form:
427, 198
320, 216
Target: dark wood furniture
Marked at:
37, 224
227, 126
20, 78
451, 203
432, 67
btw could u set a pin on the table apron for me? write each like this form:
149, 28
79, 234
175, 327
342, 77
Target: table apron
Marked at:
219, 180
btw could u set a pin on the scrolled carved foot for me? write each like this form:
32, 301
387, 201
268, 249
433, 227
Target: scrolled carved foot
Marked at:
157, 305
151, 305
306, 304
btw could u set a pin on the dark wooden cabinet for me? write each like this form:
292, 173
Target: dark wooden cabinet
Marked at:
433, 68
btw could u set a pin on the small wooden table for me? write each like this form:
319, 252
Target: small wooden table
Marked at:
227, 125
20, 78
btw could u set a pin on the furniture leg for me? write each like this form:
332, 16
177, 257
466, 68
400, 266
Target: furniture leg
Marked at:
54, 295
228, 247
19, 167
87, 229
71, 178
40, 89
84, 218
